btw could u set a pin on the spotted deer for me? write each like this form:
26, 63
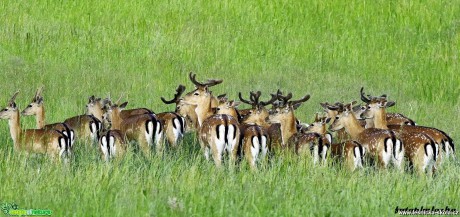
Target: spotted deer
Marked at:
379, 143
350, 153
50, 142
144, 129
420, 148
184, 110
36, 107
218, 133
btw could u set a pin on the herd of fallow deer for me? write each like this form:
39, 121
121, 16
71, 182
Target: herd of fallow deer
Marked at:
363, 134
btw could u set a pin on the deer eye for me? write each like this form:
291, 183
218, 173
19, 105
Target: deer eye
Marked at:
29, 106
196, 94
218, 109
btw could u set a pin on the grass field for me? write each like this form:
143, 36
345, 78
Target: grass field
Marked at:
406, 49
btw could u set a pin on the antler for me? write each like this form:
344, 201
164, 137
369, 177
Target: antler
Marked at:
180, 89
209, 83
273, 99
302, 100
250, 102
364, 98
118, 100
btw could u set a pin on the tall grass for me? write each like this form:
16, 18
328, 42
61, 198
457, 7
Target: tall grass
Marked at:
406, 49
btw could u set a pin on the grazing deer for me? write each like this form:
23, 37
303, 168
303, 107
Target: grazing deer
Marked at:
50, 142
414, 142
112, 144
217, 132
378, 143
36, 108
145, 129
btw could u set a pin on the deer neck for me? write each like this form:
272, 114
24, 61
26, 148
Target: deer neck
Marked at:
353, 127
369, 123
15, 128
116, 120
203, 111
40, 118
380, 120
288, 127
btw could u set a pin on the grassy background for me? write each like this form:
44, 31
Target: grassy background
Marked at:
406, 49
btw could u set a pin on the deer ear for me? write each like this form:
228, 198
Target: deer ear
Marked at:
123, 105
39, 100
389, 104
236, 104
328, 120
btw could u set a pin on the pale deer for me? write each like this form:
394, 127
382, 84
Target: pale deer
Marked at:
50, 142
218, 132
144, 129
378, 143
112, 145
37, 108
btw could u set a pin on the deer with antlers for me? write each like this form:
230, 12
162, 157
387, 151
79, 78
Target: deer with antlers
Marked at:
218, 133
51, 142
184, 110
302, 143
421, 143
257, 133
381, 144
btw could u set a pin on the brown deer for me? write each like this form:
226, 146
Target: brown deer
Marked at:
415, 143
378, 143
184, 110
145, 129
217, 132
36, 108
112, 145
351, 153
50, 142
302, 143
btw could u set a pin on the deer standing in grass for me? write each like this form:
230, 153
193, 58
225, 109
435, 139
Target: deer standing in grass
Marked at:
218, 133
36, 108
379, 143
50, 142
144, 129
302, 143
420, 148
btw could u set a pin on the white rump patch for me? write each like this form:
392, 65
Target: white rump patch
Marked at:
104, 149
231, 141
387, 155
113, 148
328, 137
220, 142
264, 147
177, 130
158, 133
428, 157
255, 149
149, 133
357, 160
315, 153
324, 155
93, 128
399, 158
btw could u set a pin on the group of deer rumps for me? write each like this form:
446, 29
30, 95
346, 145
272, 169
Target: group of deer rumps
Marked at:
363, 134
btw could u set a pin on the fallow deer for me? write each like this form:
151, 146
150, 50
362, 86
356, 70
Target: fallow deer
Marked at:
50, 142
414, 142
36, 108
145, 129
113, 145
302, 143
218, 132
378, 143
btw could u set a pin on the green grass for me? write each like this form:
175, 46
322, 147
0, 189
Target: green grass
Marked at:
406, 49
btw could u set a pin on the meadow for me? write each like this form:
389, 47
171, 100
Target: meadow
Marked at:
408, 50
